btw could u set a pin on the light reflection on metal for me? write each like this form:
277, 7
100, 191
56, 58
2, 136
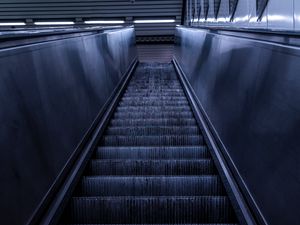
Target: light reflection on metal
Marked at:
241, 19
278, 18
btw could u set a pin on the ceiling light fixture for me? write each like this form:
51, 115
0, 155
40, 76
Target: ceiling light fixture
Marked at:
13, 24
155, 21
104, 22
54, 23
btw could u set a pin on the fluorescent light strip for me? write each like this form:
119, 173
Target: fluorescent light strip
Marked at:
54, 23
13, 24
104, 22
155, 21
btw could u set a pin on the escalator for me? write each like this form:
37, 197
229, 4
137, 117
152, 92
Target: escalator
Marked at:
152, 166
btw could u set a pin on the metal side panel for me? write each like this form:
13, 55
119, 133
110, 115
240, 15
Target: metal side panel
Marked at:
50, 94
250, 93
239, 203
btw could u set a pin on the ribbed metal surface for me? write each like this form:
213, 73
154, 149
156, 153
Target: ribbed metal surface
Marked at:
152, 165
160, 224
153, 122
151, 186
156, 140
152, 130
154, 103
127, 115
185, 152
151, 209
154, 109
91, 8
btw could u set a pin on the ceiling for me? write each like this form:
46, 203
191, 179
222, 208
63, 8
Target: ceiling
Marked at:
78, 11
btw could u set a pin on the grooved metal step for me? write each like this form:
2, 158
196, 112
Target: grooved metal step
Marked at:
154, 109
154, 94
151, 186
153, 122
157, 89
153, 130
154, 103
153, 89
166, 140
186, 152
208, 209
158, 98
154, 115
151, 167
163, 224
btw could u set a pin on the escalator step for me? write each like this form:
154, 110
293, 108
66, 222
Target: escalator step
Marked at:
153, 130
162, 224
158, 115
154, 109
154, 89
169, 91
153, 122
206, 209
178, 108
154, 103
169, 140
151, 167
151, 186
158, 98
186, 152
142, 84
153, 94
142, 81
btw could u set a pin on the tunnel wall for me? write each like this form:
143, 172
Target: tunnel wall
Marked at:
250, 91
50, 94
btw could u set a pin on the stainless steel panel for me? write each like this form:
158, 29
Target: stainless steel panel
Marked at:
297, 15
250, 91
50, 93
281, 15
241, 14
254, 21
